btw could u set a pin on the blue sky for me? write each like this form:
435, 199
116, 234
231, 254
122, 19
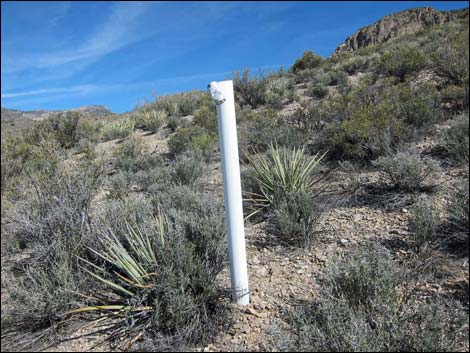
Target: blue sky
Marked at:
61, 55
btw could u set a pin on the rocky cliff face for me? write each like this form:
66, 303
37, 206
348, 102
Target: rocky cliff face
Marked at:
395, 25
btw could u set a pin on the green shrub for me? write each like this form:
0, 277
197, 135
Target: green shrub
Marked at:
355, 64
368, 131
204, 143
187, 168
181, 104
294, 217
249, 90
419, 107
401, 61
451, 58
265, 127
456, 141
308, 60
152, 120
424, 222
131, 155
278, 91
206, 117
117, 129
458, 209
180, 141
407, 171
359, 309
196, 139
317, 90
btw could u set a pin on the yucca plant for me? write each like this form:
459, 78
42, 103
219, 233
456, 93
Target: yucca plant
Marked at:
283, 171
128, 263
152, 120
117, 129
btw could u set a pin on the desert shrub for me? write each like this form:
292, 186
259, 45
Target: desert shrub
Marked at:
455, 139
407, 171
15, 152
119, 185
265, 128
206, 117
401, 61
308, 60
424, 222
278, 91
455, 98
418, 107
187, 168
284, 171
368, 131
53, 222
249, 90
117, 128
205, 144
152, 120
63, 127
197, 139
173, 260
131, 155
88, 129
294, 217
359, 309
181, 104
355, 64
180, 140
317, 90
450, 58
458, 209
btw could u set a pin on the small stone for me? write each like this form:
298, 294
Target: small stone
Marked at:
357, 218
404, 210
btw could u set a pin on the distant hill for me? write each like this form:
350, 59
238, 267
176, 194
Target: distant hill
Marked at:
398, 24
13, 114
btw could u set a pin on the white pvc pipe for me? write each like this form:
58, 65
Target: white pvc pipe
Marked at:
222, 92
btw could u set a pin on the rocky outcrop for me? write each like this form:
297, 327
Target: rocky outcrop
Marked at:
395, 25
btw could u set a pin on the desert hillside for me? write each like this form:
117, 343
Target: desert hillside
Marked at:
355, 182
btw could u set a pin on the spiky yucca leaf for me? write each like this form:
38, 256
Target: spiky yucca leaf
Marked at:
130, 260
282, 171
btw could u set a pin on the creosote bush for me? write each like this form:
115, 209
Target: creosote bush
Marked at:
401, 61
308, 60
249, 90
407, 171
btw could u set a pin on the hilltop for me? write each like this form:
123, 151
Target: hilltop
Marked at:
398, 24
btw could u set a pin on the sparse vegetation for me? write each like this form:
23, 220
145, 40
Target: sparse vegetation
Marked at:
104, 217
359, 309
407, 171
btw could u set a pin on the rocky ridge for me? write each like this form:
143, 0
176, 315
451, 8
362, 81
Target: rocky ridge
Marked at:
395, 25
